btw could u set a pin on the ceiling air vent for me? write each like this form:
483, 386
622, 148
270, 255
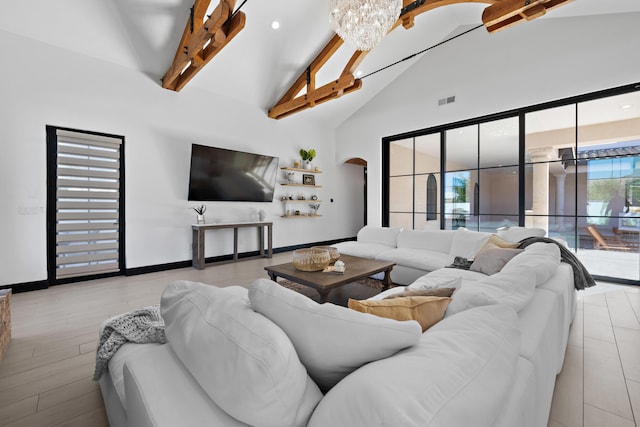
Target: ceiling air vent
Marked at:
447, 100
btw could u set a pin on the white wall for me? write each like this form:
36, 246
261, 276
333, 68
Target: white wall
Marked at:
44, 85
534, 62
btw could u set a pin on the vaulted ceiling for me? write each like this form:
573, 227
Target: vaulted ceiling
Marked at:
260, 64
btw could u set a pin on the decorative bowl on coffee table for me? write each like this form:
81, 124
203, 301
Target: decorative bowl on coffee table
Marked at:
311, 259
333, 252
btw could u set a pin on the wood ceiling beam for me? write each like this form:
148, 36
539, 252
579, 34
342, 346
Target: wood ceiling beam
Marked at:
202, 40
498, 15
318, 62
506, 13
335, 89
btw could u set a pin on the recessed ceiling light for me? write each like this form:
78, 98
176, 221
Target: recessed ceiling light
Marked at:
275, 25
626, 106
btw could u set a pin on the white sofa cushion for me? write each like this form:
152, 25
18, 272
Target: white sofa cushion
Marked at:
331, 340
439, 278
387, 236
542, 258
162, 393
416, 258
514, 288
360, 249
467, 243
439, 241
459, 374
516, 233
244, 362
434, 281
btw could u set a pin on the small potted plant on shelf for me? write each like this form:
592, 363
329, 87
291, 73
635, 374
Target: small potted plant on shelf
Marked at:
314, 208
307, 157
200, 210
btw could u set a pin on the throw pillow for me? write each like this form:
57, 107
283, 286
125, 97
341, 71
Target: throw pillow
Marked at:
437, 292
242, 361
501, 243
331, 341
491, 259
426, 310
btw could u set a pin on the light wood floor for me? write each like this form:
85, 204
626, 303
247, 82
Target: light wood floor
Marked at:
45, 376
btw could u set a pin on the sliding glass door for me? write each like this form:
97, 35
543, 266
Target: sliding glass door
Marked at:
571, 168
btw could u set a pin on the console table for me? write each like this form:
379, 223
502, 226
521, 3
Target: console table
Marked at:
198, 230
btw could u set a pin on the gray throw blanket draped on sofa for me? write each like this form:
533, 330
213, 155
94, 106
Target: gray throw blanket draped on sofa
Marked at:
141, 326
582, 278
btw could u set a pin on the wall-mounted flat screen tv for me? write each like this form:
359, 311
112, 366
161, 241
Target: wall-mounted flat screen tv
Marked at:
218, 174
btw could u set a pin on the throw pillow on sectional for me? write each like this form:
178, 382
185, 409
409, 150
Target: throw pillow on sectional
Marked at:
242, 361
492, 259
331, 341
427, 310
494, 240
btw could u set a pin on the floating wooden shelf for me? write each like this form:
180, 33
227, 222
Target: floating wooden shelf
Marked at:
301, 170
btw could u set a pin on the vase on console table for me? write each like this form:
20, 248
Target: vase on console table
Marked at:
200, 210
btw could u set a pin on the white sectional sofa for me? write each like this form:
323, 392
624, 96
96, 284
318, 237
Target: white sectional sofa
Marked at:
417, 253
268, 356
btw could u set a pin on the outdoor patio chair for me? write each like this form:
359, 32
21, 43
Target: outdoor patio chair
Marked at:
608, 243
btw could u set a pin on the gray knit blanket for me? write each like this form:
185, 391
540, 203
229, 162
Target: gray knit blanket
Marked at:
141, 326
581, 276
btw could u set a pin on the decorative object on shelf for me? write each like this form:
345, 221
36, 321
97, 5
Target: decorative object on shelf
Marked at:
289, 176
334, 254
314, 208
339, 265
291, 196
363, 23
262, 215
297, 212
307, 157
301, 197
200, 210
314, 197
308, 179
311, 259
296, 164
283, 198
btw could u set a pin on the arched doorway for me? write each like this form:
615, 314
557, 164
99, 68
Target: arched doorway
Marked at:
362, 162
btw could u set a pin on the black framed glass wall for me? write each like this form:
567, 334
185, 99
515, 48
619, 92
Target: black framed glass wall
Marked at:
570, 167
481, 175
414, 183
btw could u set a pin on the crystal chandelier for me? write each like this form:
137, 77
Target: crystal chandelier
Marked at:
363, 23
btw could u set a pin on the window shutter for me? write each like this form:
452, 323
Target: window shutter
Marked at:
87, 204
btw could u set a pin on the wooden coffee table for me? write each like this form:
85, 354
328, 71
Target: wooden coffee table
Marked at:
355, 268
